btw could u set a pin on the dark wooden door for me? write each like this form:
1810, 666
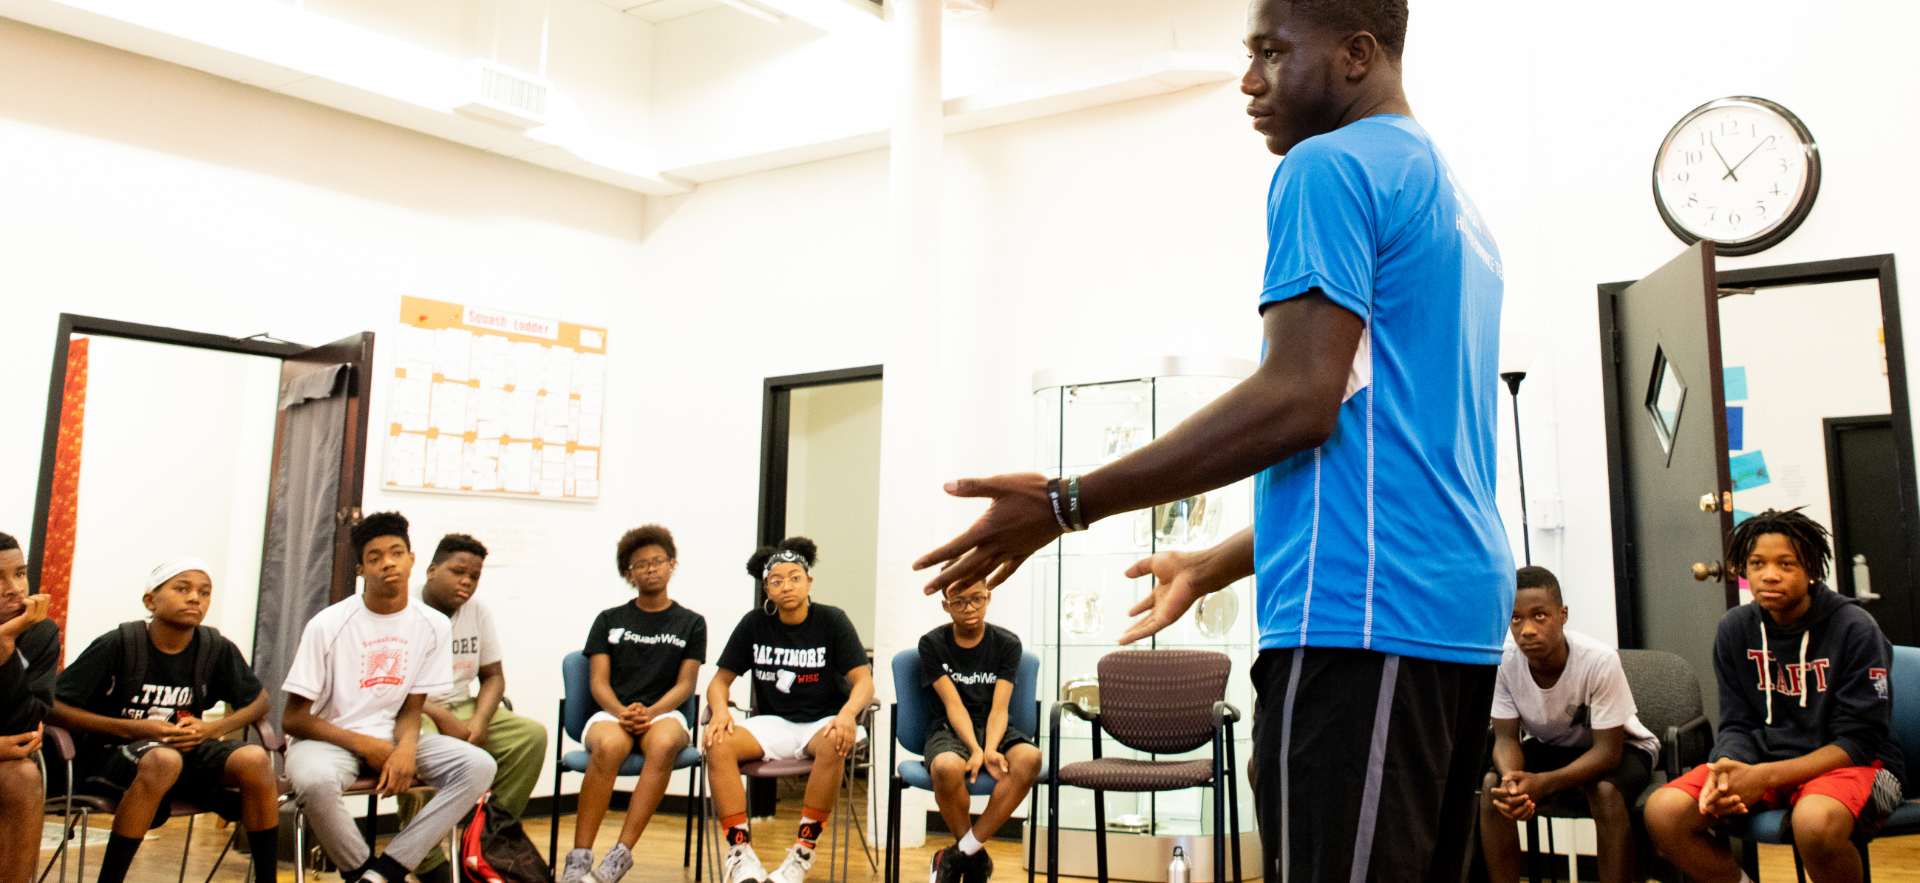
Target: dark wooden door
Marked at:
1669, 421
1870, 560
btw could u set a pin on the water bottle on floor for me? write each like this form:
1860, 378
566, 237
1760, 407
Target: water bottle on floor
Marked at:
1177, 869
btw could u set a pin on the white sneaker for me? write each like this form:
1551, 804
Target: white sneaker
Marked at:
742, 866
794, 870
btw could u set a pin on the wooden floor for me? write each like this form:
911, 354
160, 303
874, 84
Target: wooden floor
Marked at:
657, 857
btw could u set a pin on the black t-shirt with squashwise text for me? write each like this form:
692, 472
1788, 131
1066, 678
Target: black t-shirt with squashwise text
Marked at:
644, 650
975, 670
165, 694
799, 671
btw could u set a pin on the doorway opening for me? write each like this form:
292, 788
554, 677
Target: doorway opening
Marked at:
161, 443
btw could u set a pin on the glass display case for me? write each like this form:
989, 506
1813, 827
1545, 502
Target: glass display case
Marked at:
1081, 596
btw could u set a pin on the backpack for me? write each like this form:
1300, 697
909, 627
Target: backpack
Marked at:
133, 663
495, 849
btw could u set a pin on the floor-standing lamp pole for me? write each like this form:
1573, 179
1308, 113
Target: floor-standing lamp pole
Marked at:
1513, 379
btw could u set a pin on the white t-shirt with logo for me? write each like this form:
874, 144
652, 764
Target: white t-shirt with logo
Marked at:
359, 666
474, 644
1592, 694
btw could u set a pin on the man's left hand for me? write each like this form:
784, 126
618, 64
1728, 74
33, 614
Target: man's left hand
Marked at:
843, 731
477, 733
1018, 523
1740, 786
195, 731
396, 775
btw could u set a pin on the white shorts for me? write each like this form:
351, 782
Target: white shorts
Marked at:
599, 716
782, 739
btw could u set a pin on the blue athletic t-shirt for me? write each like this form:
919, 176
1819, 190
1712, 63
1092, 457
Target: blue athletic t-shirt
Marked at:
1386, 537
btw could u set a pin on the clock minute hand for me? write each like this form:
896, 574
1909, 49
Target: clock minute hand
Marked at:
1743, 160
1722, 158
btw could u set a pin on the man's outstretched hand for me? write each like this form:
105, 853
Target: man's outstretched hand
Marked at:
1018, 523
1181, 579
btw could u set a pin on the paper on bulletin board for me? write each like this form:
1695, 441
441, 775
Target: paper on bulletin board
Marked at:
495, 403
1749, 470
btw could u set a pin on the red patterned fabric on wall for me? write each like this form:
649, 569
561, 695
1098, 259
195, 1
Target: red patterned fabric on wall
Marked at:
56, 568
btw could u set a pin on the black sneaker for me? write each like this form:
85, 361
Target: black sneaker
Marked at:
948, 866
975, 868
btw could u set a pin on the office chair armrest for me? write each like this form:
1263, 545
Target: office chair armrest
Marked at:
59, 740
1092, 717
865, 717
1671, 744
1224, 713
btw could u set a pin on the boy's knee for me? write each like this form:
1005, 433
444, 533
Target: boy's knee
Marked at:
1825, 824
1605, 799
20, 780
610, 750
250, 761
946, 766
1669, 812
160, 765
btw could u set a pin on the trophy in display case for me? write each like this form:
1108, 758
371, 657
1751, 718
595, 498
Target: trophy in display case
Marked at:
1085, 419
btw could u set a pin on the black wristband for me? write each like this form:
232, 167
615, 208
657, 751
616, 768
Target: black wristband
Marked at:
1055, 497
1075, 520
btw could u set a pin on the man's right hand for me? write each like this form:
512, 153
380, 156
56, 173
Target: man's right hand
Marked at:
1179, 582
157, 730
635, 720
20, 747
35, 611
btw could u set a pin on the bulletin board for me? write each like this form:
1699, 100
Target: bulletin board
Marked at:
495, 403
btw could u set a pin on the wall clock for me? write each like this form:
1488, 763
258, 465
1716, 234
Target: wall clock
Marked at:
1740, 171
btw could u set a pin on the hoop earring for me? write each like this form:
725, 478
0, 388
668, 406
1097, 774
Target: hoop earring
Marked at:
768, 606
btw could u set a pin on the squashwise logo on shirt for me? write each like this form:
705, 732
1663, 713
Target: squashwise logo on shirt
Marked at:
617, 635
383, 664
972, 680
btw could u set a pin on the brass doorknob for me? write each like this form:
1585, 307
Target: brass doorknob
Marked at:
1709, 503
1704, 572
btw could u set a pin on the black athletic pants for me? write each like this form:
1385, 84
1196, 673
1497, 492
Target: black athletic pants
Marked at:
1365, 765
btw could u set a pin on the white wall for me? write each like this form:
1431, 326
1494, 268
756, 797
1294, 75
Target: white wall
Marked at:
833, 491
176, 451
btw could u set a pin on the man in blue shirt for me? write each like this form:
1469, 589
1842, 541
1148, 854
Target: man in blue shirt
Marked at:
1383, 576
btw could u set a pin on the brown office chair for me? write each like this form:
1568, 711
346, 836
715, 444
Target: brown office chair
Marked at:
1159, 702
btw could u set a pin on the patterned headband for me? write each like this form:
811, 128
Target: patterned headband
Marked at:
785, 556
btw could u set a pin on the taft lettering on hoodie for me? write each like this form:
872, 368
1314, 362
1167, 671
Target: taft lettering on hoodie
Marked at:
1791, 676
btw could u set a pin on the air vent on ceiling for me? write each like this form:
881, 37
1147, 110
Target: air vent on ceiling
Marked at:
505, 95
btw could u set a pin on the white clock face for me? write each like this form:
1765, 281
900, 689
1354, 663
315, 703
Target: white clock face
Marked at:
1733, 171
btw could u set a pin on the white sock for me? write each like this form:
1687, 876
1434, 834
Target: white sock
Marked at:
970, 845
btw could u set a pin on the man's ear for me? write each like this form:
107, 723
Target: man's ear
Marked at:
1361, 53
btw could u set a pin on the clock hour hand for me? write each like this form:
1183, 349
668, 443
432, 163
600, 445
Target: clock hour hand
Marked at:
1722, 158
1743, 160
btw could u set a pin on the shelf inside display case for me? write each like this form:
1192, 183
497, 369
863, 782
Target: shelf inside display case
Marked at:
1081, 596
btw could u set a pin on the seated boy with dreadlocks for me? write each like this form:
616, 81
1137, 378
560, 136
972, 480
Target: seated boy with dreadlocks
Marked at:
137, 700
1821, 745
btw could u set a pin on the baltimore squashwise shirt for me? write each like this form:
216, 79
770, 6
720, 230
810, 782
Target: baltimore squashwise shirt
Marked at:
799, 671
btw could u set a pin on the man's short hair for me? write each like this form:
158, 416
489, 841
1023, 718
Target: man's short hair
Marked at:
641, 537
8, 543
372, 527
454, 543
1535, 577
1386, 20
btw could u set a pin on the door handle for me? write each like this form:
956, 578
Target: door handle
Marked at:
1704, 572
1716, 502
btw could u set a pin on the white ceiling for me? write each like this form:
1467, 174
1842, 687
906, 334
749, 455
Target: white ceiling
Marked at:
657, 11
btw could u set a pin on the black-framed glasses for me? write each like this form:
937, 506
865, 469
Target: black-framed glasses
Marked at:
644, 566
968, 603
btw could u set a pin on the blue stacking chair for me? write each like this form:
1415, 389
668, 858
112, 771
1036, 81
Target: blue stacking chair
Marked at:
576, 705
1775, 826
909, 725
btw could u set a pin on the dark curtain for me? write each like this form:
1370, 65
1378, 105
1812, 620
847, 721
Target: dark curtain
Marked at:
297, 574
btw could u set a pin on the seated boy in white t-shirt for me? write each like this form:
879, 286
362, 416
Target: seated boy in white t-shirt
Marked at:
1570, 695
363, 671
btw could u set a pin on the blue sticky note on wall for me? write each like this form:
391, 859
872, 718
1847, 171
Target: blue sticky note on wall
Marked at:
1736, 428
1749, 471
1734, 380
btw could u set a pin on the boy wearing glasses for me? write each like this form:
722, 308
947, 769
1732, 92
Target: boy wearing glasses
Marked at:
971, 666
645, 658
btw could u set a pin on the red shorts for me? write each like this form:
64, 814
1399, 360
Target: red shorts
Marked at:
1852, 786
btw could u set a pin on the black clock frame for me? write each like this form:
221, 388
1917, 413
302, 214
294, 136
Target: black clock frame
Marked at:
1772, 236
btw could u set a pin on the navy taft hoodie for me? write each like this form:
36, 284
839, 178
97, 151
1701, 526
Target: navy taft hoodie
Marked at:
1787, 692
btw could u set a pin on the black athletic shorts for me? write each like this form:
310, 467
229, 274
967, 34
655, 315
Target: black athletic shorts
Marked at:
1365, 765
110, 770
944, 739
1630, 778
